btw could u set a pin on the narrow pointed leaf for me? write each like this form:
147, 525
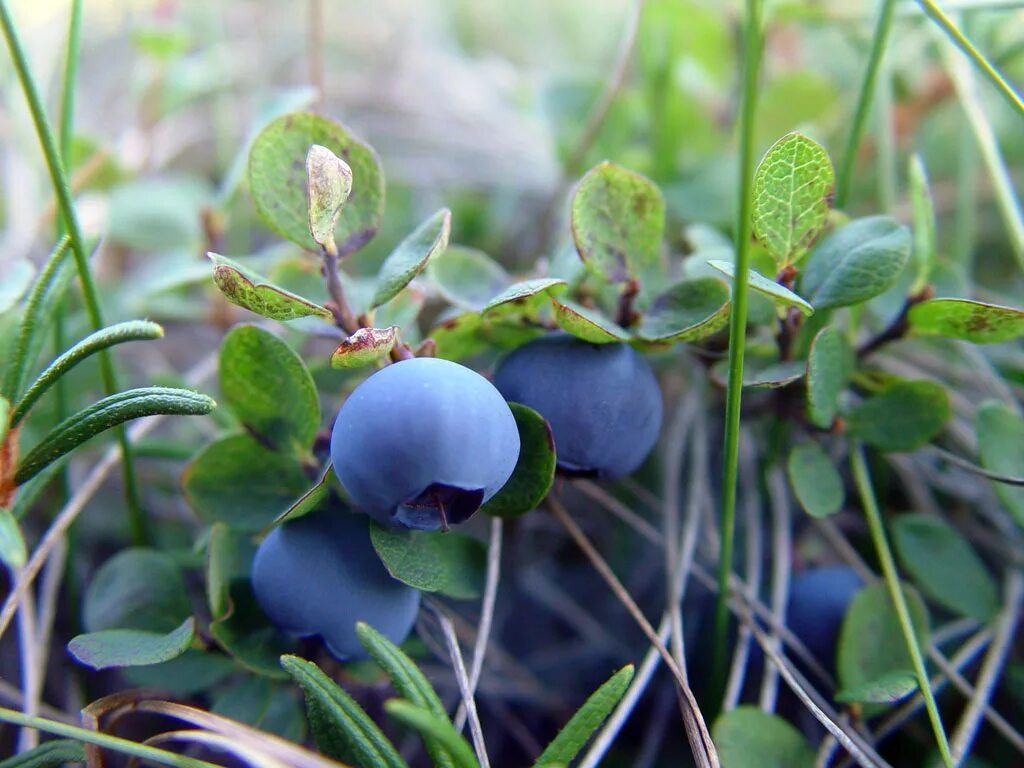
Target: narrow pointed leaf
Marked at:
412, 255
329, 183
49, 754
244, 288
829, 367
132, 330
779, 294
428, 723
278, 181
587, 324
588, 718
340, 726
109, 412
450, 563
973, 321
687, 312
409, 681
364, 347
12, 544
793, 186
618, 218
131, 647
535, 469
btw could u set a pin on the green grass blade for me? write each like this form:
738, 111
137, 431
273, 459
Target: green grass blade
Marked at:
132, 330
430, 724
588, 718
109, 412
341, 727
47, 755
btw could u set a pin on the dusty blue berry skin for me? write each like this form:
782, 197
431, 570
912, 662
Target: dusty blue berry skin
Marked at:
319, 575
818, 599
423, 443
602, 401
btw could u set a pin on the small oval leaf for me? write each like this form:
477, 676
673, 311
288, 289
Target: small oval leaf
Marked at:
587, 324
247, 290
136, 589
972, 321
904, 417
779, 294
830, 364
815, 480
688, 311
1000, 432
887, 689
412, 255
535, 469
329, 182
467, 277
364, 347
746, 737
131, 647
450, 563
525, 296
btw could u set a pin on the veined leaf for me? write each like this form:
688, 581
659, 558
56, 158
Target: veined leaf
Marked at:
109, 412
588, 718
329, 181
973, 321
432, 561
412, 255
364, 347
428, 723
340, 726
687, 312
245, 289
133, 330
131, 647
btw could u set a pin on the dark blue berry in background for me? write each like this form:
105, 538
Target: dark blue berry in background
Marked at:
319, 575
423, 443
602, 401
818, 599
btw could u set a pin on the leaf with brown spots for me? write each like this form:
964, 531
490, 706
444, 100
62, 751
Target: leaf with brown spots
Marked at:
966, 320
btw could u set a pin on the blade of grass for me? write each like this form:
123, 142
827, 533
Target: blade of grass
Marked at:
864, 98
862, 479
62, 190
752, 42
957, 37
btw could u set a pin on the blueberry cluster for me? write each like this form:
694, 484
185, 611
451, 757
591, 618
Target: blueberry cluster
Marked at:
422, 444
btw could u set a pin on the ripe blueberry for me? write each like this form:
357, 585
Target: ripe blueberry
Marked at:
319, 575
818, 599
423, 443
602, 401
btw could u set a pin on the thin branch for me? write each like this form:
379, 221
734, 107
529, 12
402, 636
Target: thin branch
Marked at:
486, 614
464, 688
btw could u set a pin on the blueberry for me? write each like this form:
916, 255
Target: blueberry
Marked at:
602, 401
423, 443
319, 575
818, 599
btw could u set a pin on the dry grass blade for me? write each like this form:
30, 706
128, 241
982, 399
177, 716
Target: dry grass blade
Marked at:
245, 752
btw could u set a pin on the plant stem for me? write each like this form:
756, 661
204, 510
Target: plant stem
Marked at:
62, 190
862, 478
737, 336
867, 91
953, 32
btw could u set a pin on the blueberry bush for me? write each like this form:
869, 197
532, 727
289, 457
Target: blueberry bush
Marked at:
658, 408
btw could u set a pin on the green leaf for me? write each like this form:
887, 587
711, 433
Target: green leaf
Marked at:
131, 647
904, 417
317, 497
871, 643
966, 320
471, 333
49, 754
467, 277
247, 635
428, 723
412, 255
746, 737
618, 217
830, 364
792, 195
340, 726
193, 672
688, 311
329, 183
587, 324
244, 288
265, 704
364, 347
449, 563
779, 294
887, 689
944, 566
277, 180
535, 468
107, 413
132, 330
47, 292
588, 718
12, 544
15, 278
922, 210
856, 262
267, 386
221, 555
237, 481
815, 480
136, 589
524, 297
409, 681
5, 414
1000, 432
778, 374
158, 214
